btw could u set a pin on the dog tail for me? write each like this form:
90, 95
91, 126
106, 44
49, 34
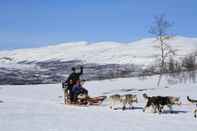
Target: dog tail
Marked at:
191, 100
145, 96
188, 99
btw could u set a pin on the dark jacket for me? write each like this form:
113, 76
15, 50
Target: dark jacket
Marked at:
75, 76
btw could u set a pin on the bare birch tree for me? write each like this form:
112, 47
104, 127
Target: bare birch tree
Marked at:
160, 29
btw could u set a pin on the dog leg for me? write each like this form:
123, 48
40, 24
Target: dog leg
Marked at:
124, 108
159, 107
195, 113
154, 108
111, 105
144, 110
131, 105
170, 107
146, 106
124, 105
65, 97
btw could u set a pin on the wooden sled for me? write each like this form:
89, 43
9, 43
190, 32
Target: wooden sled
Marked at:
96, 100
83, 99
88, 101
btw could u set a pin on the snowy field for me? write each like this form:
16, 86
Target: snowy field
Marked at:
41, 108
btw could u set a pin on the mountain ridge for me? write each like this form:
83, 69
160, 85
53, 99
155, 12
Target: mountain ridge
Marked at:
100, 52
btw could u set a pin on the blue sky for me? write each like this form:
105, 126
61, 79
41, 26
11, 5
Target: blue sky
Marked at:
35, 23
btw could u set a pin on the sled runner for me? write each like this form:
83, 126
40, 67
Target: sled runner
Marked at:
96, 100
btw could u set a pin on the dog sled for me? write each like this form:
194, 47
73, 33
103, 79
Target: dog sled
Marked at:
82, 99
87, 101
90, 100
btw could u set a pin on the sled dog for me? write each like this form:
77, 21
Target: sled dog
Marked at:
66, 93
127, 99
193, 102
158, 102
66, 96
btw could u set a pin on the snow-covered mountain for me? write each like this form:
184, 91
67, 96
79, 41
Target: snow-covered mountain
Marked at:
138, 52
52, 63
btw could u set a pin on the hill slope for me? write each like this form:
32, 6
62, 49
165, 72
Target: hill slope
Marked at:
101, 60
138, 52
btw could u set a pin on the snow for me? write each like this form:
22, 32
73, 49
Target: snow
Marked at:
137, 52
41, 108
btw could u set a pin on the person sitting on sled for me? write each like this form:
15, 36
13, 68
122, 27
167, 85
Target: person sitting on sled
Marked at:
71, 80
78, 89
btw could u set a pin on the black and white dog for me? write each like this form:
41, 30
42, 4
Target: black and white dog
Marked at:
193, 102
158, 102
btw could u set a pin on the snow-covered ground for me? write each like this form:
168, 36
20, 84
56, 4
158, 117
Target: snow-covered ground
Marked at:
41, 108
